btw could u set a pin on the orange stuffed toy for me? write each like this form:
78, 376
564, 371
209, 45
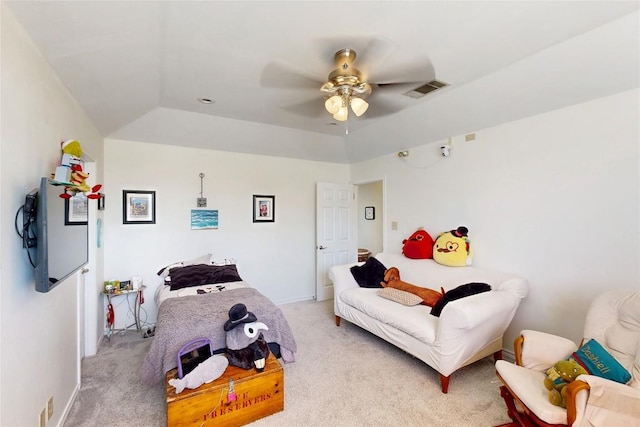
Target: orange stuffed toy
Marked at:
392, 280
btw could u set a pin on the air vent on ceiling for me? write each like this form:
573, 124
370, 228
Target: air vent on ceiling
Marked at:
426, 88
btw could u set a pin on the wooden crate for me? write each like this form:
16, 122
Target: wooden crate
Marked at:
258, 394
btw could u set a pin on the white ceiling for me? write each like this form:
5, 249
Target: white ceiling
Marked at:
138, 67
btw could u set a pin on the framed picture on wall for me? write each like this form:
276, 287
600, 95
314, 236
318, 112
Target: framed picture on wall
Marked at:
76, 210
369, 212
138, 207
264, 208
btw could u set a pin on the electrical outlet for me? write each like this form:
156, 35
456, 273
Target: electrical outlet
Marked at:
394, 225
50, 408
43, 418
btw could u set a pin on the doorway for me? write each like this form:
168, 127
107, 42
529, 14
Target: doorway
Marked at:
370, 217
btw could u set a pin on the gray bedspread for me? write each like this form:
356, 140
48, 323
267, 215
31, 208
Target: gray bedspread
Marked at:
183, 319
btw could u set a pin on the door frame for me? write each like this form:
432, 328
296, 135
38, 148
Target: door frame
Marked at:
384, 205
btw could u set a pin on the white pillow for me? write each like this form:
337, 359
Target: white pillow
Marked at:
403, 297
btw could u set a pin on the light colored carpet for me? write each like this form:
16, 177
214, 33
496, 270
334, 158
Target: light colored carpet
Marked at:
343, 376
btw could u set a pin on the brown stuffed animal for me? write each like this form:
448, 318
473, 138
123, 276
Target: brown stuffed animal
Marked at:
392, 280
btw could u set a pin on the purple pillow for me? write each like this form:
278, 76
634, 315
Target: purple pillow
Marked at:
203, 274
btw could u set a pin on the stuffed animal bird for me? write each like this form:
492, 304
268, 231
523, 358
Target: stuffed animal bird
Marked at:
246, 346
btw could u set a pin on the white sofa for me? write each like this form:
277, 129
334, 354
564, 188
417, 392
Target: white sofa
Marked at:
467, 330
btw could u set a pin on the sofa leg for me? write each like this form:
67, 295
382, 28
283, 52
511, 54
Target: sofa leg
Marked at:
444, 382
338, 319
497, 355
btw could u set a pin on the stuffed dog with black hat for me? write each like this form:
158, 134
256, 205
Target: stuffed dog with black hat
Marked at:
246, 346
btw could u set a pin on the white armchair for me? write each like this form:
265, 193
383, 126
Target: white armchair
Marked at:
614, 321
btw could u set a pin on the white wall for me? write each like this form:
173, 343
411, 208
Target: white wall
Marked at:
553, 198
39, 333
277, 258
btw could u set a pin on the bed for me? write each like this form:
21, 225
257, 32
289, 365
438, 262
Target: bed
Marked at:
194, 302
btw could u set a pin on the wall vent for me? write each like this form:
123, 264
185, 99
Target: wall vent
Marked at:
426, 88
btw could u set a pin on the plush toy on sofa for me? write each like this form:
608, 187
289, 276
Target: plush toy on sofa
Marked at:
452, 248
558, 378
392, 280
246, 346
418, 246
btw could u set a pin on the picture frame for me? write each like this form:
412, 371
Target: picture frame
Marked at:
76, 211
369, 213
264, 208
203, 219
138, 207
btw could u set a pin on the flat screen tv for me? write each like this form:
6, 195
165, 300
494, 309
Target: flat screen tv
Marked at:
62, 233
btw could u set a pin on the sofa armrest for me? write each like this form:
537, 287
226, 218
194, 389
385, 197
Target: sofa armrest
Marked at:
540, 350
470, 324
604, 402
474, 310
342, 278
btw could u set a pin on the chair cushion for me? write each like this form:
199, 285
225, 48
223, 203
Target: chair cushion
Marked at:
528, 385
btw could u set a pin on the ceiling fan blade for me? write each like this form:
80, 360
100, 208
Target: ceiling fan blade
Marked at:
376, 52
310, 108
381, 109
415, 72
381, 105
281, 75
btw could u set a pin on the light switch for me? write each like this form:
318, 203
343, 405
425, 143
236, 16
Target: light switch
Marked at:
394, 225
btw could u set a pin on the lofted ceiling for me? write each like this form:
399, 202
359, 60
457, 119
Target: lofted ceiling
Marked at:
139, 67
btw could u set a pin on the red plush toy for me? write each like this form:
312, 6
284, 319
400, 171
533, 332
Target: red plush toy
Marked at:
418, 246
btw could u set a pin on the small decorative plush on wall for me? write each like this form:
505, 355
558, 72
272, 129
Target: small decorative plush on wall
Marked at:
71, 174
453, 248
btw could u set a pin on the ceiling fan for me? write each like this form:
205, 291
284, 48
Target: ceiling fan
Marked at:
369, 89
346, 87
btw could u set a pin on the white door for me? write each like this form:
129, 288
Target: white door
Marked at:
336, 232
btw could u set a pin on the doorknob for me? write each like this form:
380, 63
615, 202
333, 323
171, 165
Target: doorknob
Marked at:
84, 270
321, 247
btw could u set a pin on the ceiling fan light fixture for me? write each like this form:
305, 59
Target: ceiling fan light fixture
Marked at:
342, 114
333, 104
359, 106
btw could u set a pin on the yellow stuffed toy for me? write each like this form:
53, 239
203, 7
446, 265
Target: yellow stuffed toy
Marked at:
453, 248
558, 378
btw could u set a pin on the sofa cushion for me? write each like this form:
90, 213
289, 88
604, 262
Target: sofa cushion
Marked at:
414, 321
402, 297
369, 274
457, 293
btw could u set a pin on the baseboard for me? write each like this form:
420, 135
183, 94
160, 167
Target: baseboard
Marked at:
289, 301
69, 405
508, 355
